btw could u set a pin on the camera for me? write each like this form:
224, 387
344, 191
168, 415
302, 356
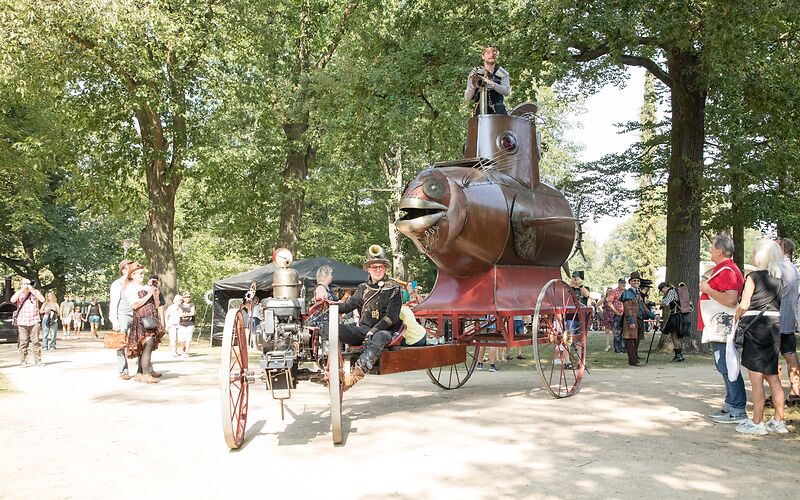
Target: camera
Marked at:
154, 281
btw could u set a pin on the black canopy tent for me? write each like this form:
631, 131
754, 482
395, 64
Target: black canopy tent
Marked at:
234, 287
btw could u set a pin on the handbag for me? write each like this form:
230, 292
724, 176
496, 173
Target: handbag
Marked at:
149, 323
717, 318
115, 340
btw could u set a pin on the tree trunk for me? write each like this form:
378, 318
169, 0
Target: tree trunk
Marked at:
298, 159
162, 185
156, 241
738, 227
393, 175
685, 172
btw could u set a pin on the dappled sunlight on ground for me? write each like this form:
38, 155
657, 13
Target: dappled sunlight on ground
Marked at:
629, 433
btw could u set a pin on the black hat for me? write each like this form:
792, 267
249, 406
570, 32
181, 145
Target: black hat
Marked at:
663, 284
635, 276
621, 280
376, 255
645, 283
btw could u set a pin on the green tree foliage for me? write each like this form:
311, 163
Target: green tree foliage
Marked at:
131, 80
702, 53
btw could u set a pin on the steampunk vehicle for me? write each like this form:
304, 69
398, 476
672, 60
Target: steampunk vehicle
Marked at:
499, 236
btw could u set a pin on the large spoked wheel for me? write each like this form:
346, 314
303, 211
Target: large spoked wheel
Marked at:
559, 343
233, 387
335, 374
454, 376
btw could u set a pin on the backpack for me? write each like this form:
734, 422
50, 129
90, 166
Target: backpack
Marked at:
686, 305
51, 318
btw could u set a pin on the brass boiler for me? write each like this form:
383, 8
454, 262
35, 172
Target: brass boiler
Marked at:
285, 284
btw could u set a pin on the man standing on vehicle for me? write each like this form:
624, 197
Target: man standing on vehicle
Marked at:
378, 301
724, 286
27, 300
494, 78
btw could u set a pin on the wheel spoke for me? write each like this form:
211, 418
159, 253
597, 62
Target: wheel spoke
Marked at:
557, 303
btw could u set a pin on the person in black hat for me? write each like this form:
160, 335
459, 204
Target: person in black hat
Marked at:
378, 301
635, 311
675, 313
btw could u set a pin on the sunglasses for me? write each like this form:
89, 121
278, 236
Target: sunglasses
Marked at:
376, 267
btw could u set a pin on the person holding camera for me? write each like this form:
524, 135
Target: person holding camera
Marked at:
28, 299
492, 77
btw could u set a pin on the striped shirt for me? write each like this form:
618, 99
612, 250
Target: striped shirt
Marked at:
789, 280
670, 297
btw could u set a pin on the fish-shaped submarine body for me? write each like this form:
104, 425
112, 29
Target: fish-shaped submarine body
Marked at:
489, 208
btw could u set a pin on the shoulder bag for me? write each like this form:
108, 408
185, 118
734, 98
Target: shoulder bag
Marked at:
738, 337
149, 323
717, 318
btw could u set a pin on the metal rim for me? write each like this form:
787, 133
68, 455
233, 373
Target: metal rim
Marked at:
335, 374
233, 386
560, 369
454, 376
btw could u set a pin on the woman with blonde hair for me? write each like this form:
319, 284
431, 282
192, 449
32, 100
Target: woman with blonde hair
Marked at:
321, 293
49, 312
759, 313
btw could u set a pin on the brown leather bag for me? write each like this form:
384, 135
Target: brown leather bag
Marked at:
115, 340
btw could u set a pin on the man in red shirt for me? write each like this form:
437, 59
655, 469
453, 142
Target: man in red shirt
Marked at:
724, 286
28, 299
616, 306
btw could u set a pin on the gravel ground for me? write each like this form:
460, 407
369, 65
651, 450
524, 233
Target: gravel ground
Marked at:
74, 430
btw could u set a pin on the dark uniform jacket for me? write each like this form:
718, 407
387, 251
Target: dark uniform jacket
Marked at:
378, 304
496, 104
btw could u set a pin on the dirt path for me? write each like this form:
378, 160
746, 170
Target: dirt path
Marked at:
74, 430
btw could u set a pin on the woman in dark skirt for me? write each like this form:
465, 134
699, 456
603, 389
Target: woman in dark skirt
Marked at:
677, 325
759, 313
143, 341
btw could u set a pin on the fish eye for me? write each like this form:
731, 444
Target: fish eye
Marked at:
507, 142
433, 188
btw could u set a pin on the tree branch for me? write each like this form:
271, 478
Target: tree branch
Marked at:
331, 49
587, 54
16, 265
649, 65
90, 46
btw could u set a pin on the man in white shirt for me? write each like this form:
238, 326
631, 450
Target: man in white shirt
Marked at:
120, 313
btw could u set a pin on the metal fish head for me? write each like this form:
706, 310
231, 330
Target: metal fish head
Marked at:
435, 210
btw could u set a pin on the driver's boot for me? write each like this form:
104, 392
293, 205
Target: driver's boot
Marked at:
356, 374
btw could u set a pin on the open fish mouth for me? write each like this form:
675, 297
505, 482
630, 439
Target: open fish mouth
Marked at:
419, 214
